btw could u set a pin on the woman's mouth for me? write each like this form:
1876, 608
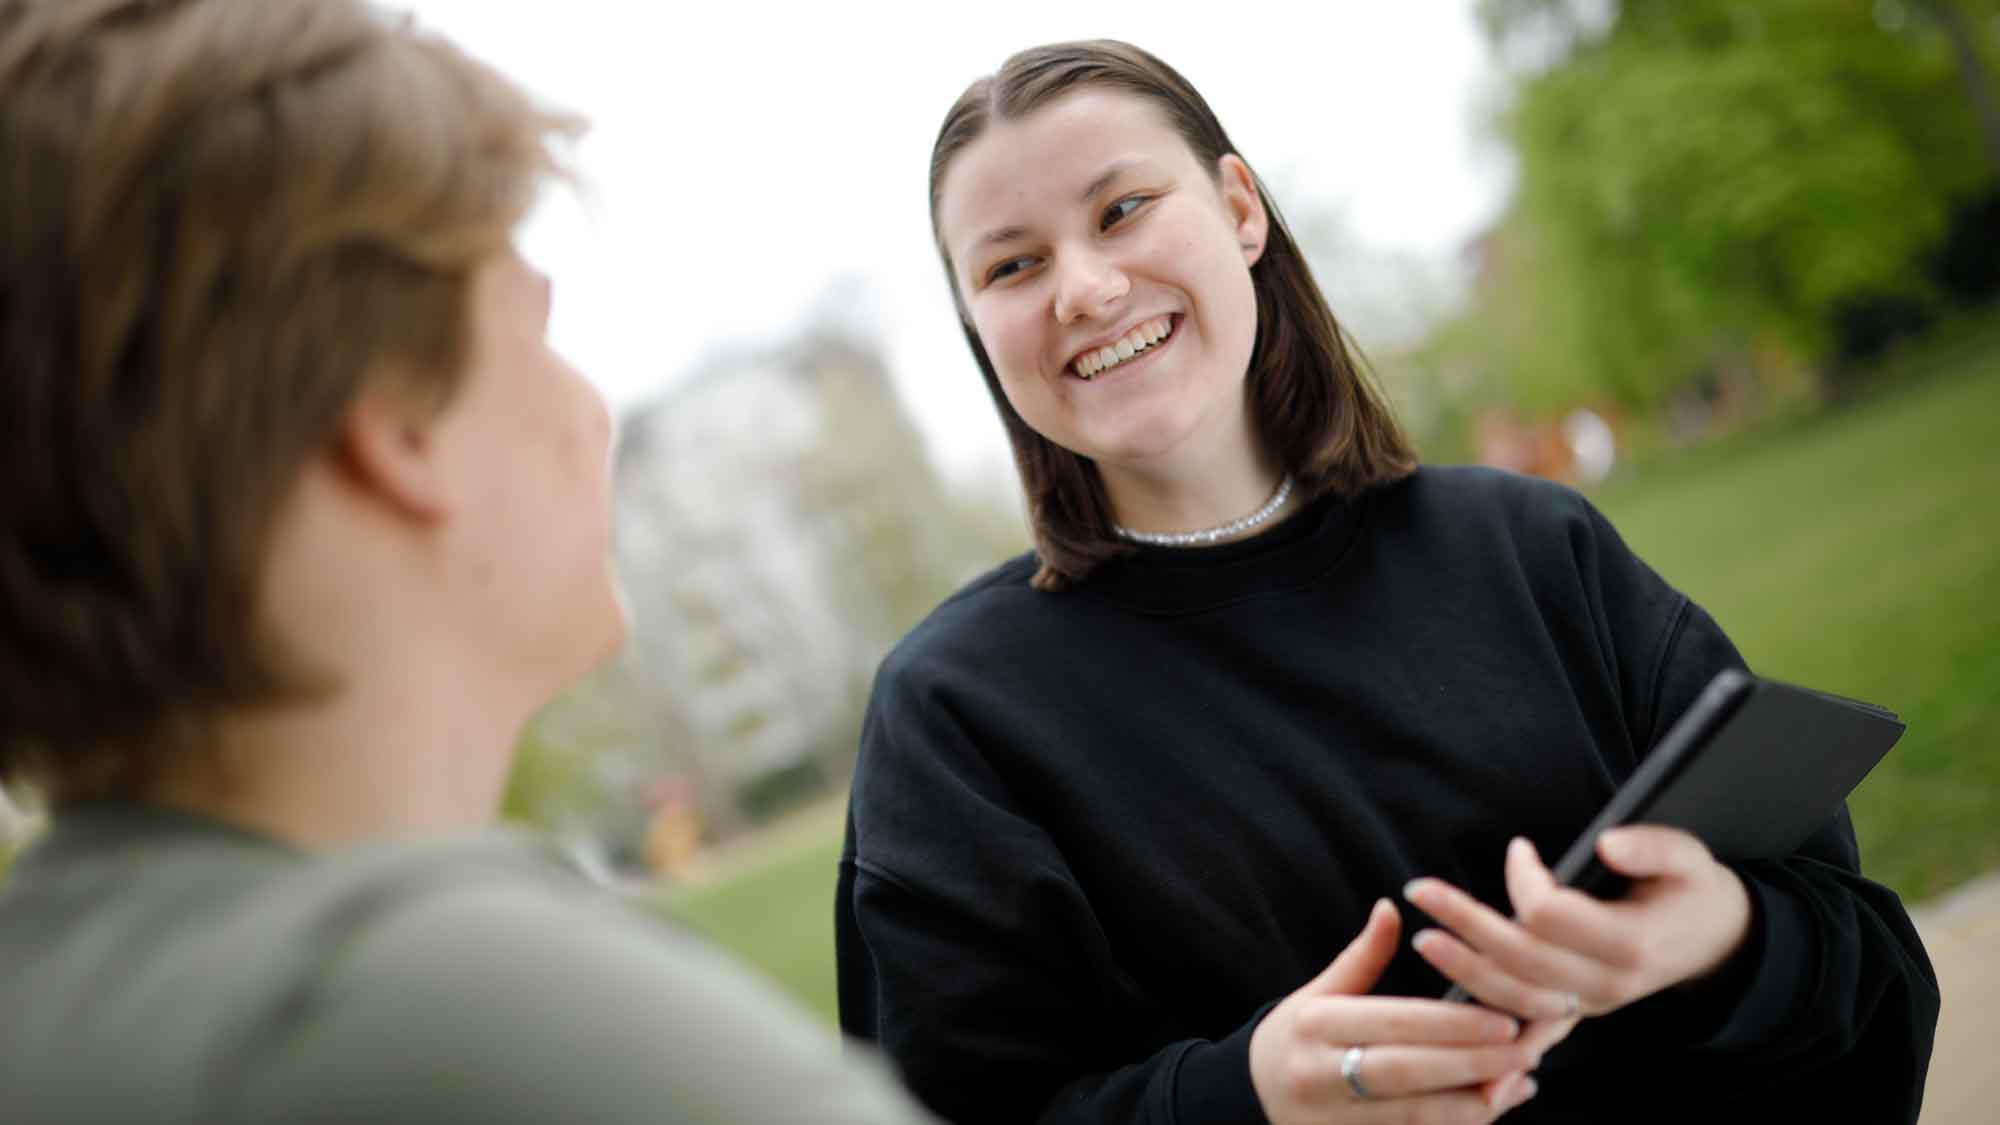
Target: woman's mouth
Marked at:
1141, 341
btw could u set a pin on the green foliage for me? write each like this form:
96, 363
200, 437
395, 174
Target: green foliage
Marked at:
783, 789
550, 780
1710, 179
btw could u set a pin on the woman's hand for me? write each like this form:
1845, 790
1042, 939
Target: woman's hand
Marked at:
1421, 1060
1564, 953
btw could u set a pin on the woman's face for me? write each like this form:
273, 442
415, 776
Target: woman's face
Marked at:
1107, 272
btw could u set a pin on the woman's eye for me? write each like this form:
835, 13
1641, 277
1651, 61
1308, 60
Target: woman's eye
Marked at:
1006, 269
1117, 212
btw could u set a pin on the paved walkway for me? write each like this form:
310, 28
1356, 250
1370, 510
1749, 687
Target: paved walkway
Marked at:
1962, 934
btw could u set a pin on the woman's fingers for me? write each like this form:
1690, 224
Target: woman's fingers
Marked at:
1360, 965
1566, 916
1506, 944
1460, 1107
1538, 1038
1490, 984
1391, 1019
1396, 1071
1643, 851
1296, 1051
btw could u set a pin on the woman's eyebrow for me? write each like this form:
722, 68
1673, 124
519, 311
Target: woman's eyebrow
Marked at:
1110, 173
1001, 234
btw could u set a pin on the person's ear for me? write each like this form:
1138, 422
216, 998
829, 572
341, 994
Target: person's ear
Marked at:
1245, 206
387, 449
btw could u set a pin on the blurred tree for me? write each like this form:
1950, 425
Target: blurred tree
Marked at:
1388, 300
779, 527
1974, 74
1705, 183
557, 781
894, 543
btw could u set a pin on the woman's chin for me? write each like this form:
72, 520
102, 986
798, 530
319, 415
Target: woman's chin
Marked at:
1138, 448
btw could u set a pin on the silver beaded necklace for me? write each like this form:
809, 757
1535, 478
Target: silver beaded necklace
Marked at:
1213, 534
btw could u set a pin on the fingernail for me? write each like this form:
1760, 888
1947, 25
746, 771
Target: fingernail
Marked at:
1523, 1090
1422, 939
1413, 888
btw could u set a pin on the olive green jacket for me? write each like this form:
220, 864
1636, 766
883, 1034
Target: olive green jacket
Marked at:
160, 967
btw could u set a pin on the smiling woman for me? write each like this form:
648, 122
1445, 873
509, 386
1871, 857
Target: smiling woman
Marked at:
1129, 809
1106, 288
1062, 279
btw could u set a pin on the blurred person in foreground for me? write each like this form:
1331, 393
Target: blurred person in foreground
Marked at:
1129, 807
304, 519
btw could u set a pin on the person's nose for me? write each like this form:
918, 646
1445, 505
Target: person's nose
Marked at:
1087, 281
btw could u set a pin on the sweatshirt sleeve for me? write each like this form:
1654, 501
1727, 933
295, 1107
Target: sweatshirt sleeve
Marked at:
1832, 987
969, 953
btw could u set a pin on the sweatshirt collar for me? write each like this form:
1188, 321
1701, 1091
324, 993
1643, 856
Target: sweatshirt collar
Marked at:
1179, 580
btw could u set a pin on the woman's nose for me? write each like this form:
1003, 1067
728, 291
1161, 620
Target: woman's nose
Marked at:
1086, 283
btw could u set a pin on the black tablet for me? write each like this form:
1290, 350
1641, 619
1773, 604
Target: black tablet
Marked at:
1752, 768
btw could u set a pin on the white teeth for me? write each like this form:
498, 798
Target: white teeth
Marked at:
1092, 364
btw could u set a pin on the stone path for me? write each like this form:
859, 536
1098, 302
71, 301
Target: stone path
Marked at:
1962, 934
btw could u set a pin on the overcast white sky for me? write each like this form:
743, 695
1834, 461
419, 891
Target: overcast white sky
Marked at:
746, 158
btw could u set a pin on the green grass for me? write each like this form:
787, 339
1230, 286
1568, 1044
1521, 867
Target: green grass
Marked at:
1857, 551
778, 917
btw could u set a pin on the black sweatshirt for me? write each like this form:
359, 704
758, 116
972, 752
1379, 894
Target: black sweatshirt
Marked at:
1095, 835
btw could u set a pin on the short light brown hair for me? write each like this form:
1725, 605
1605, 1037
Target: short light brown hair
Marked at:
219, 219
1312, 404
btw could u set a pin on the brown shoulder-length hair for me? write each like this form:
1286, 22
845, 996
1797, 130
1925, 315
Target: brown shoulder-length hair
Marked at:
220, 220
1314, 408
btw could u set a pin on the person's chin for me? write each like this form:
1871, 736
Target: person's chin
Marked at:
596, 633
618, 628
1138, 447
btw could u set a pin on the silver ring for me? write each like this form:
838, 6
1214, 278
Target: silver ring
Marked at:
1350, 1072
1572, 1005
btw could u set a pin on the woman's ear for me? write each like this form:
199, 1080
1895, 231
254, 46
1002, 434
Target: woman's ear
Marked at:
386, 448
1245, 205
